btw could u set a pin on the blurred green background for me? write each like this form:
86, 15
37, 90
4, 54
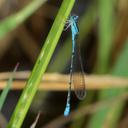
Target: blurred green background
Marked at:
103, 24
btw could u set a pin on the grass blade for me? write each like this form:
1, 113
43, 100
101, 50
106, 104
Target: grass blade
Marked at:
36, 120
104, 51
106, 20
11, 22
109, 116
41, 65
7, 88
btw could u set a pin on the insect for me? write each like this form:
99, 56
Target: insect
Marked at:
76, 77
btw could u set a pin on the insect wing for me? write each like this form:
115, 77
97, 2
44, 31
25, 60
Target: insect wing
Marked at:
78, 74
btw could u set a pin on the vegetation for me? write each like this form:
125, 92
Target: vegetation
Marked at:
104, 49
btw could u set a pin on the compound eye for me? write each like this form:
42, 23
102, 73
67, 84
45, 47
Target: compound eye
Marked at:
76, 18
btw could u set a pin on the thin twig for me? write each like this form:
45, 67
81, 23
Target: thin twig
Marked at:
57, 82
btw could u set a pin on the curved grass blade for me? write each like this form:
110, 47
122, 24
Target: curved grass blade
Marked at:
41, 65
36, 120
12, 21
7, 88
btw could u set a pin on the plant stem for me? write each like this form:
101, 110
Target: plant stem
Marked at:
41, 65
11, 22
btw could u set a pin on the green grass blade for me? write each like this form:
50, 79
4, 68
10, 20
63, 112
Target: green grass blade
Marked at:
109, 116
11, 22
7, 88
106, 16
41, 65
104, 51
120, 69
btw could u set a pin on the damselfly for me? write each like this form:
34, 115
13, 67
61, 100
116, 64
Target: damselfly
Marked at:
76, 77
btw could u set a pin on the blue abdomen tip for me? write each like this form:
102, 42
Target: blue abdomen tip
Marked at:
66, 112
